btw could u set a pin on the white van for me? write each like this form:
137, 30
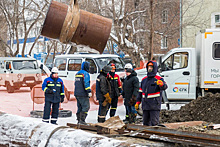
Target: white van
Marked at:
19, 72
68, 65
190, 72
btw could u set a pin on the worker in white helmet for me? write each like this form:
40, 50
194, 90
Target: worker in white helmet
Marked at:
54, 94
129, 93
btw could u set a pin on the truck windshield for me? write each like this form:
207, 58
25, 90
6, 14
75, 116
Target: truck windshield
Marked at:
26, 64
107, 60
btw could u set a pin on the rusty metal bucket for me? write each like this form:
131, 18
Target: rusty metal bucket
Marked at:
70, 24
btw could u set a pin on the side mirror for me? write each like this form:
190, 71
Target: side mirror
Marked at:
160, 60
91, 70
159, 70
41, 66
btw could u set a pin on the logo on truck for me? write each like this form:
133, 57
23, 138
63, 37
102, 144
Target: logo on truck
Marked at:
175, 89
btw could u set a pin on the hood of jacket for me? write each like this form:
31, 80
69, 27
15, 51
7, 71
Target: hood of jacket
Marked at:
85, 66
154, 72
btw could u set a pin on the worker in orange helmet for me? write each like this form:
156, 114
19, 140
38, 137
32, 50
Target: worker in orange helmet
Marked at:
115, 83
150, 95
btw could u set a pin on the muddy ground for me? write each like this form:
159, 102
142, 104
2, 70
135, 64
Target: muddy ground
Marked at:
205, 109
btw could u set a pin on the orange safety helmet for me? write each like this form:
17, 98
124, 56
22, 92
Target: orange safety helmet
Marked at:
150, 64
113, 66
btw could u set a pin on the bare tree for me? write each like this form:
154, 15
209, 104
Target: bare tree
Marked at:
136, 24
21, 17
3, 33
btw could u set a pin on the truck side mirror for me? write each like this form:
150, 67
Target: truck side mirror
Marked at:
41, 66
91, 70
160, 60
159, 70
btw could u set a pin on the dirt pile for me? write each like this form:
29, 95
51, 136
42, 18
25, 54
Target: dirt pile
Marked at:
205, 108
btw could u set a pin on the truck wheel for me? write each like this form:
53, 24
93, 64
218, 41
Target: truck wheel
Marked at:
65, 113
9, 88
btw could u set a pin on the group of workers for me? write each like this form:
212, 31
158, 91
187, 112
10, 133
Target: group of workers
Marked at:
108, 89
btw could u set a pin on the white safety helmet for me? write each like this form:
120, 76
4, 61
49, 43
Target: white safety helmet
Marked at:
128, 65
54, 70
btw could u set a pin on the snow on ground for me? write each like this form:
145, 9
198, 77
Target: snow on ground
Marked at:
21, 128
17, 130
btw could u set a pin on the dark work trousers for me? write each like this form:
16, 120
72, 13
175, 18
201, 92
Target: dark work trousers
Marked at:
113, 106
83, 104
55, 112
126, 115
131, 109
151, 117
102, 112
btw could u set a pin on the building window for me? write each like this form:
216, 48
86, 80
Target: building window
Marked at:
217, 18
164, 16
163, 42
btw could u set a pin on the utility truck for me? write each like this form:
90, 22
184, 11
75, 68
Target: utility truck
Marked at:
190, 72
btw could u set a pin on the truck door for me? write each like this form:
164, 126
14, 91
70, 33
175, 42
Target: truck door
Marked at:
93, 69
176, 73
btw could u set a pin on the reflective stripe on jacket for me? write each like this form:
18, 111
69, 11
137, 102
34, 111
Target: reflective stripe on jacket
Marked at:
55, 84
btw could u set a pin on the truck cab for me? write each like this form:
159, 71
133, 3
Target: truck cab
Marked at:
179, 71
19, 72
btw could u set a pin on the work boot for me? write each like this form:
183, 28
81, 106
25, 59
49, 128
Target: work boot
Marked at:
126, 120
132, 118
101, 120
83, 116
78, 117
134, 115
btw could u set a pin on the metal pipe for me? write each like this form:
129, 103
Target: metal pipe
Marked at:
62, 23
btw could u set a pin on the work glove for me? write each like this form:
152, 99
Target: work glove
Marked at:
90, 94
50, 91
132, 100
159, 82
108, 98
137, 105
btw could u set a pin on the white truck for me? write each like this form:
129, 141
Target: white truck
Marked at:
69, 64
190, 72
19, 72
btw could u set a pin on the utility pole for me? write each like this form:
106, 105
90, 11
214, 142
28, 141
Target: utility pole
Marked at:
180, 40
150, 56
